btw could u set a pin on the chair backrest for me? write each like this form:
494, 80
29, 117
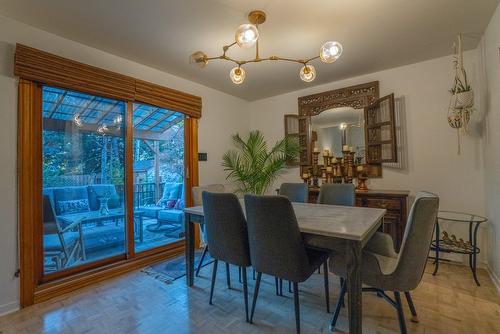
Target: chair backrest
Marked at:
337, 194
50, 225
296, 192
96, 191
212, 188
417, 239
226, 228
276, 245
171, 191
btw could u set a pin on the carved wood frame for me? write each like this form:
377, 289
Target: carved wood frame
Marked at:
357, 97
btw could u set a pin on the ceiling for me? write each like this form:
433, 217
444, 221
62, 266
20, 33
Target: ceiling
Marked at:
375, 34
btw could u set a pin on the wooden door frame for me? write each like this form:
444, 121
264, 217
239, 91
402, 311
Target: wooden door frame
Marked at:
32, 289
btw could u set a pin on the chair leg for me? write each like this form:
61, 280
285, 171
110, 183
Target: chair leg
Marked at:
342, 281
281, 287
401, 316
245, 291
297, 306
414, 317
228, 276
253, 274
205, 250
255, 294
276, 283
239, 274
327, 287
340, 302
214, 274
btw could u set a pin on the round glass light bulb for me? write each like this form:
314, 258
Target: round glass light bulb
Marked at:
246, 35
199, 59
307, 73
330, 52
237, 75
343, 126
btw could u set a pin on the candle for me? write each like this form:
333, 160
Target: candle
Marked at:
334, 160
345, 148
326, 152
316, 149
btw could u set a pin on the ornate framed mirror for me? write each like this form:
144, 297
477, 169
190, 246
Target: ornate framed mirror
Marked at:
352, 119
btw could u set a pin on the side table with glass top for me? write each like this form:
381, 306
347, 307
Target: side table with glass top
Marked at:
441, 246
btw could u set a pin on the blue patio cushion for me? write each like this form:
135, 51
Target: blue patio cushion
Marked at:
68, 194
151, 211
171, 191
51, 242
171, 216
96, 191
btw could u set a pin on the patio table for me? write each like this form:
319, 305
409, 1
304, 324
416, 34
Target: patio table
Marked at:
96, 217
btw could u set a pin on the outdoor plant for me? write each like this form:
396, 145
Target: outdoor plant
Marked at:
253, 166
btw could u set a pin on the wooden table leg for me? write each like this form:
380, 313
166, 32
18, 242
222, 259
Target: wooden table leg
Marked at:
354, 285
189, 236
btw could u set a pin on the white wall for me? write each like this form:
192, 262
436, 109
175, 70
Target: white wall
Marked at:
490, 53
222, 116
434, 164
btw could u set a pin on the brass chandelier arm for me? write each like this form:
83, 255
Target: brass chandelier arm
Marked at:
257, 58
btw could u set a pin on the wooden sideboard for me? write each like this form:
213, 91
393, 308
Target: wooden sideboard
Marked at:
394, 201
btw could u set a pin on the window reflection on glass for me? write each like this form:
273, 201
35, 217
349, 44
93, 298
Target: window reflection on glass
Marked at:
83, 147
159, 197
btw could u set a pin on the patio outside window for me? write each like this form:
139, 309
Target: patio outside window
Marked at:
83, 168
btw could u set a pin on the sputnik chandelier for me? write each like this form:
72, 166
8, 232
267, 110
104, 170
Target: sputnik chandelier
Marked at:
247, 35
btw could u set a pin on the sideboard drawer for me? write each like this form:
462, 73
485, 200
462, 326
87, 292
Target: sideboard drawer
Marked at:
395, 202
390, 204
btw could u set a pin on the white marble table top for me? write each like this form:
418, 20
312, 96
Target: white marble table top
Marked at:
353, 223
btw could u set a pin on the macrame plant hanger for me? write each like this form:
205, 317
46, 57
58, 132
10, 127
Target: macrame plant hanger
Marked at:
462, 98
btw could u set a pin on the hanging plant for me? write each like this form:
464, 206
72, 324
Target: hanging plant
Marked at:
462, 96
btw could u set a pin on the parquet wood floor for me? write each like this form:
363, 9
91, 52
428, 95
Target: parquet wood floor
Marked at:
136, 303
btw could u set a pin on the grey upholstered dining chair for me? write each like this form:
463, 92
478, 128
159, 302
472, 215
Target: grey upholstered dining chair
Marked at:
227, 235
296, 192
337, 194
385, 270
277, 248
197, 201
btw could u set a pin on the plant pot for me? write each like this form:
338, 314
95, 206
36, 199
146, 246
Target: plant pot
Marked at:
462, 100
455, 121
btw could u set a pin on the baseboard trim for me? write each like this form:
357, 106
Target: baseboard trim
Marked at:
494, 278
9, 308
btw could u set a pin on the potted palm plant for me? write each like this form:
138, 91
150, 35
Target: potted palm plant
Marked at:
254, 167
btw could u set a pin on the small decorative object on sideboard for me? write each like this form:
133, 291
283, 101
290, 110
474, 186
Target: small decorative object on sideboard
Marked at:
446, 243
361, 178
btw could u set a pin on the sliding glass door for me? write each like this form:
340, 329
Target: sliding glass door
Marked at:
158, 167
83, 150
83, 178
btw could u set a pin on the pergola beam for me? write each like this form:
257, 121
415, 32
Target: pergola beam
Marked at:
106, 113
167, 115
60, 98
64, 125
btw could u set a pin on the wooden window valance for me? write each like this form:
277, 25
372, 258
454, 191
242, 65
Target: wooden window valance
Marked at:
40, 66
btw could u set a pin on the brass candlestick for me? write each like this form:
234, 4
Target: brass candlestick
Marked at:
362, 177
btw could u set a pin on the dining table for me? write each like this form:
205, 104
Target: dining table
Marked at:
343, 230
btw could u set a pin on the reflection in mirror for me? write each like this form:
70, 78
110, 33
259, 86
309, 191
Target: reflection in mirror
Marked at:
337, 129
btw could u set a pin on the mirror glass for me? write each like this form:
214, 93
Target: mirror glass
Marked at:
337, 128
